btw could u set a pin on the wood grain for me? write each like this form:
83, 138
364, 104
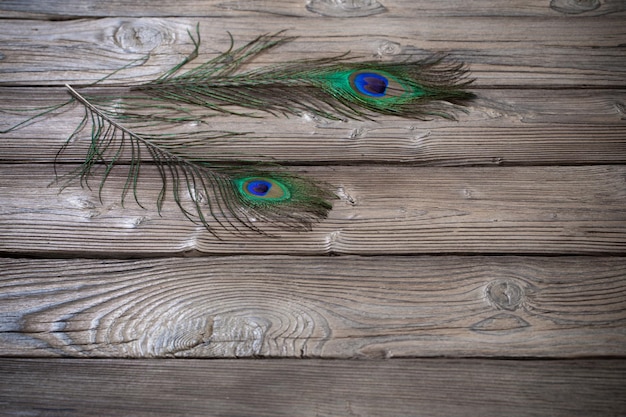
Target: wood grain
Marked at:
480, 259
425, 388
502, 127
555, 54
315, 307
229, 8
381, 210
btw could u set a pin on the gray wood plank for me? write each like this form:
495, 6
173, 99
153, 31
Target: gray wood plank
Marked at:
380, 210
556, 52
550, 81
425, 388
355, 8
314, 307
502, 127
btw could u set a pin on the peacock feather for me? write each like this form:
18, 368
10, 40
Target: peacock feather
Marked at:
128, 125
335, 87
234, 198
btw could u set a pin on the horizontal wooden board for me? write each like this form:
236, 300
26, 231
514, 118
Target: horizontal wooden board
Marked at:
380, 210
484, 317
425, 388
314, 307
546, 52
355, 8
502, 127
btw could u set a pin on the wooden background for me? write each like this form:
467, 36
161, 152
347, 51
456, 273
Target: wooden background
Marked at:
472, 267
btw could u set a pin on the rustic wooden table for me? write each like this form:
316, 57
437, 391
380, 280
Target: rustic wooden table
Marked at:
477, 265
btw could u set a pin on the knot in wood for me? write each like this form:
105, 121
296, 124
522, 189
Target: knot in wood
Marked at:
505, 294
140, 36
621, 110
574, 6
389, 48
345, 8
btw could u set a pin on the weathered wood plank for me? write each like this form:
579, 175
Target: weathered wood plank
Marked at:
426, 388
502, 127
382, 210
546, 53
332, 307
337, 307
229, 8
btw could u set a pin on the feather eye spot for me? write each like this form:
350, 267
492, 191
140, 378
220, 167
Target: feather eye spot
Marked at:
369, 83
263, 189
259, 187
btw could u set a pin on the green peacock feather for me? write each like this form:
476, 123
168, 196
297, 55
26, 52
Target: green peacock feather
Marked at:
234, 198
337, 87
240, 195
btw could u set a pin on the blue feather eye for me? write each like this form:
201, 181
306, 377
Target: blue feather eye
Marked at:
369, 83
263, 189
259, 187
